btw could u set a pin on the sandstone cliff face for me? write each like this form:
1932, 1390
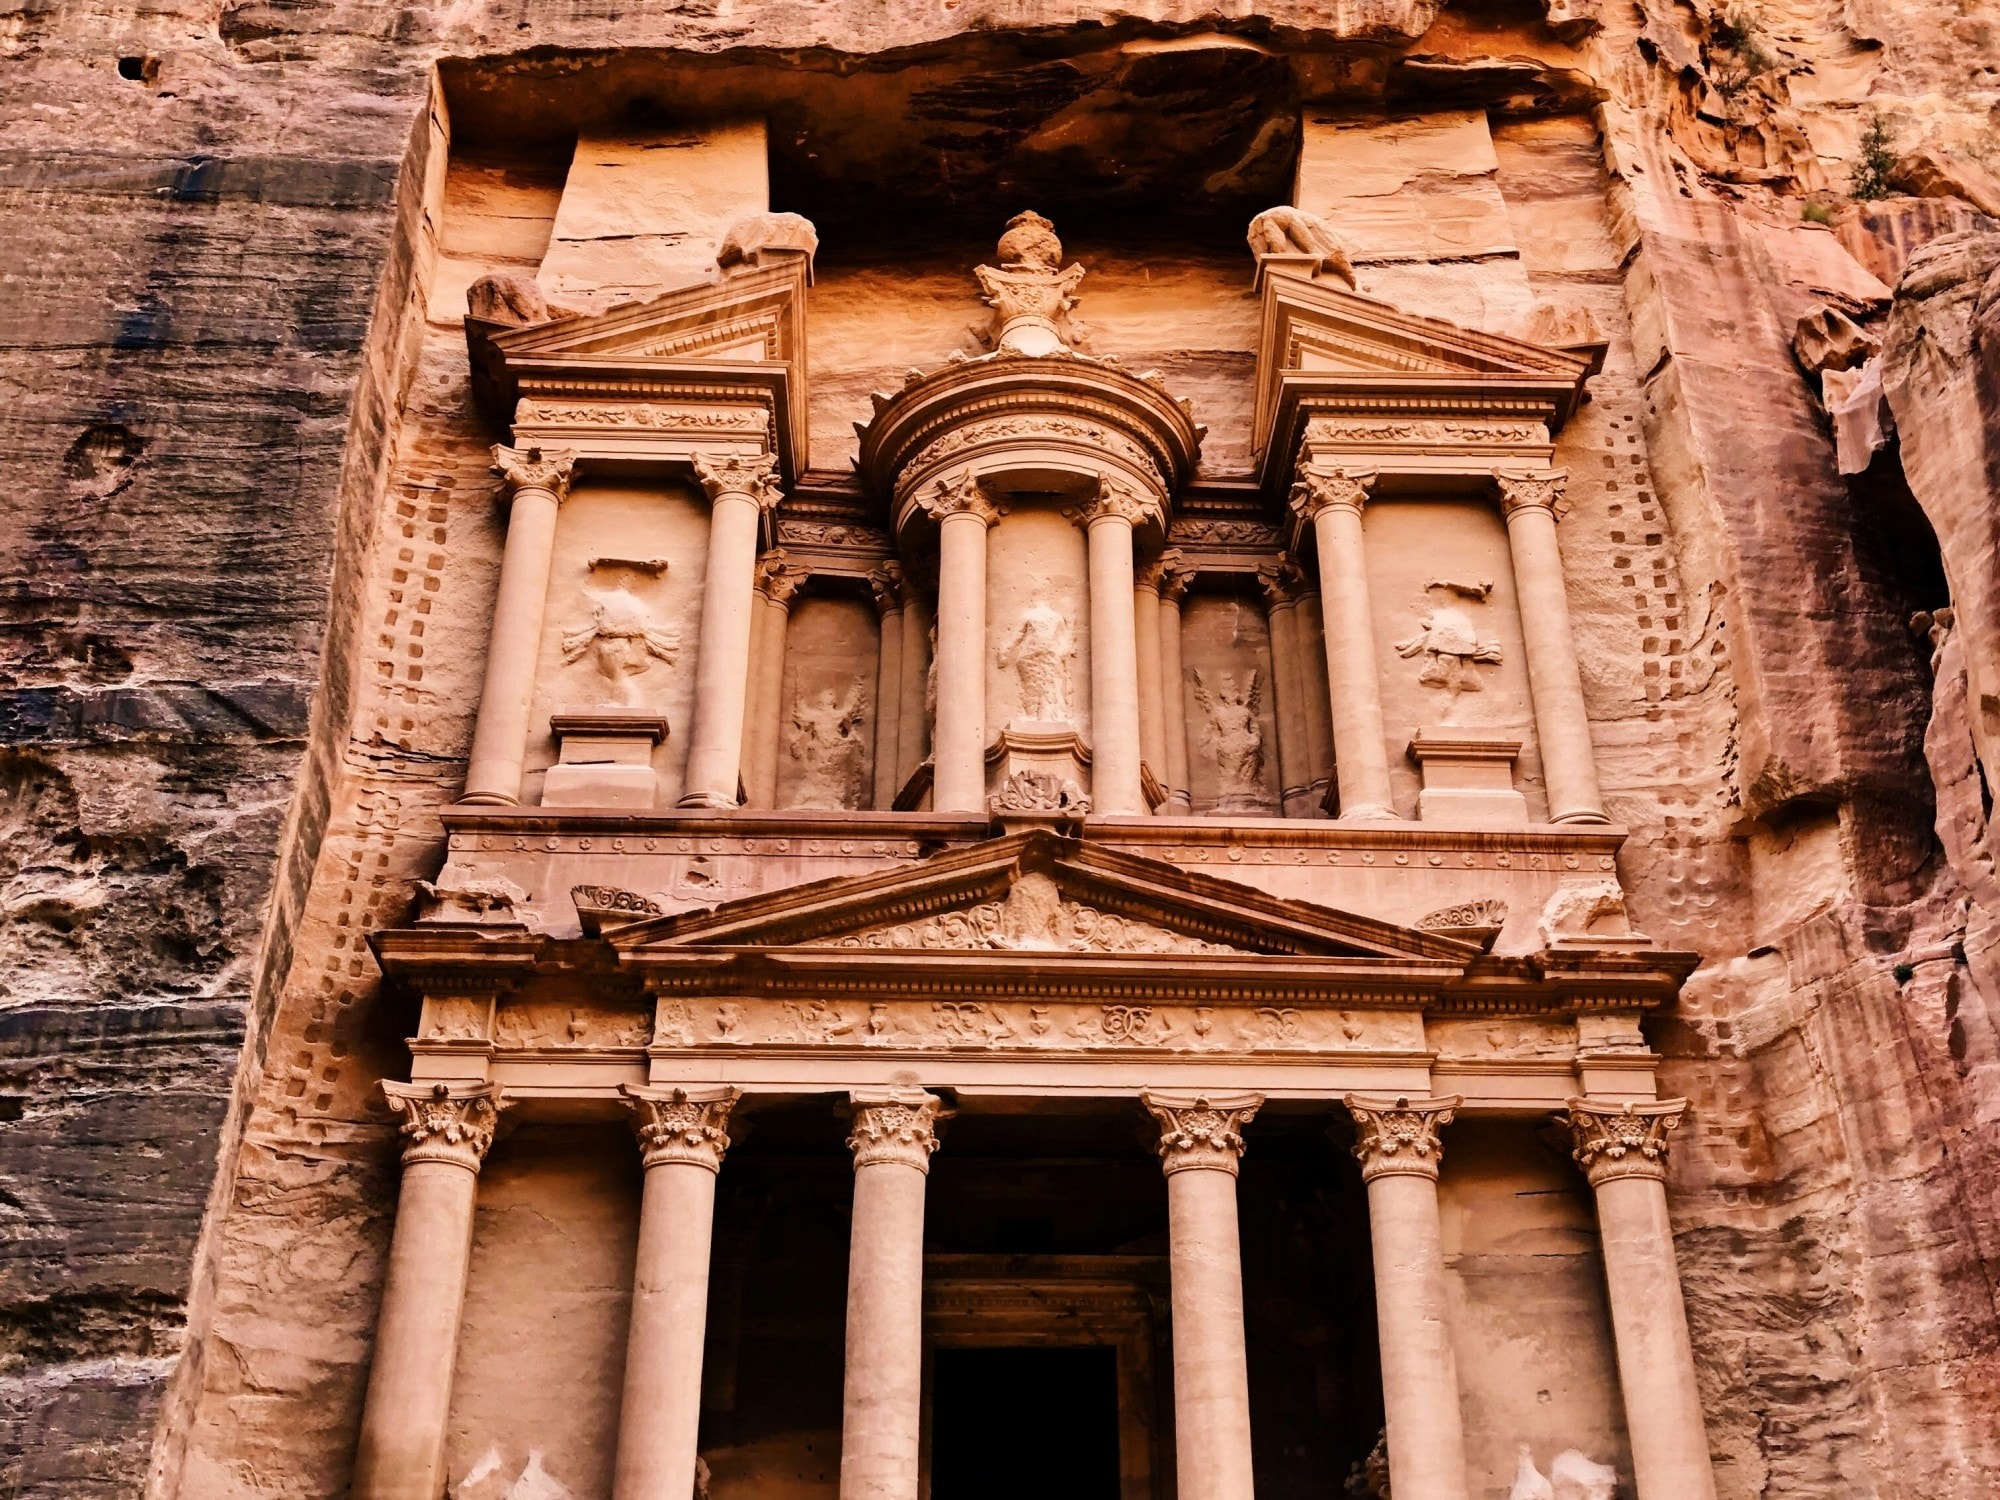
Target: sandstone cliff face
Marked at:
236, 279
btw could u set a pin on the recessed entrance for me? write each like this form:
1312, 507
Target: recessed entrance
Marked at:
1013, 1422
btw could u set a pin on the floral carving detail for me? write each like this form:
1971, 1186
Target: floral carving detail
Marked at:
1534, 489
1317, 488
1426, 430
755, 477
1029, 790
1034, 917
894, 1125
1399, 1136
645, 414
534, 468
681, 1125
443, 1124
1622, 1140
1201, 1131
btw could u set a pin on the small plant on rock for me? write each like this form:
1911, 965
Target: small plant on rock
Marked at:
1817, 213
1870, 178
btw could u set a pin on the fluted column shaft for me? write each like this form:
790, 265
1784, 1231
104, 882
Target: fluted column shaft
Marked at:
1332, 499
539, 479
1319, 708
683, 1134
1623, 1151
1280, 583
886, 582
882, 1399
1398, 1146
1173, 689
1146, 633
446, 1132
1533, 502
1114, 658
958, 740
739, 491
1201, 1143
778, 583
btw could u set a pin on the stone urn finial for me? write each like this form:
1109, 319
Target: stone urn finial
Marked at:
1030, 292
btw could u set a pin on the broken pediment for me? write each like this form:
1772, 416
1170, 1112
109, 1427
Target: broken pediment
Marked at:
1038, 892
1327, 353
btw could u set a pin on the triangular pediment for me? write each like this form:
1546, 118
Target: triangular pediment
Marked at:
752, 315
1039, 894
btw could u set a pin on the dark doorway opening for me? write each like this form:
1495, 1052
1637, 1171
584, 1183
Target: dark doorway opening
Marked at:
1013, 1422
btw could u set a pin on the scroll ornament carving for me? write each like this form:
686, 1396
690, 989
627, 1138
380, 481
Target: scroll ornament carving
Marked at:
1029, 790
623, 639
1317, 488
534, 468
1538, 489
1033, 918
612, 898
960, 497
894, 1125
681, 1125
1039, 656
1031, 292
1622, 1140
1485, 912
446, 1125
1201, 1131
755, 478
1399, 1136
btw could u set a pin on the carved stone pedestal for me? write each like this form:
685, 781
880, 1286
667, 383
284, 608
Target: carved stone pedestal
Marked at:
1038, 771
1468, 780
606, 761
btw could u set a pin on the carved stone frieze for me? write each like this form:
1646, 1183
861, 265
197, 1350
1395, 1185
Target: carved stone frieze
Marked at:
840, 535
1033, 427
1429, 431
681, 1124
1200, 532
534, 468
555, 1025
1622, 1140
442, 1122
1034, 917
732, 419
1399, 1136
1201, 1132
894, 1125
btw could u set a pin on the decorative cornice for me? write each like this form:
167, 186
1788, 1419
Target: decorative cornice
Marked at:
1622, 1140
1201, 1132
961, 496
535, 468
1318, 489
754, 478
445, 1122
1399, 1137
894, 1125
1534, 489
682, 1124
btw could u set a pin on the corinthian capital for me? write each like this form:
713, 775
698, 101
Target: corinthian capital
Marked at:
1201, 1130
1281, 582
1622, 1140
1399, 1136
756, 478
1534, 489
681, 1125
894, 1125
886, 583
1117, 500
1175, 576
534, 468
1318, 489
960, 497
779, 578
445, 1122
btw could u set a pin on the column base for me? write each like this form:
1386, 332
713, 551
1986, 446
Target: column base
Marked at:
709, 802
1581, 815
1366, 814
487, 799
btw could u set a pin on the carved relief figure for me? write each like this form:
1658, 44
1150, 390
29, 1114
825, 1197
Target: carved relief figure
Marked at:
1448, 639
1233, 735
1571, 1476
622, 640
826, 744
1030, 294
1038, 656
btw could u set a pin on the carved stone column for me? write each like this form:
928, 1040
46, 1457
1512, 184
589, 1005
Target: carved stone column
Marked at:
1201, 1143
1174, 580
1280, 585
958, 745
778, 582
1319, 709
913, 726
1533, 503
539, 479
447, 1130
882, 1405
739, 491
1399, 1151
683, 1134
886, 583
1332, 499
1623, 1151
1146, 629
1115, 786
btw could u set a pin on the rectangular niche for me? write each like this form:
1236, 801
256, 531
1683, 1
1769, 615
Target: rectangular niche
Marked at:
1232, 725
622, 630
1037, 577
1448, 636
828, 713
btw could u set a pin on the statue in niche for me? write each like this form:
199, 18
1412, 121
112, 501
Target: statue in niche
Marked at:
1571, 1476
1030, 292
1235, 737
1448, 639
1038, 656
623, 640
827, 748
